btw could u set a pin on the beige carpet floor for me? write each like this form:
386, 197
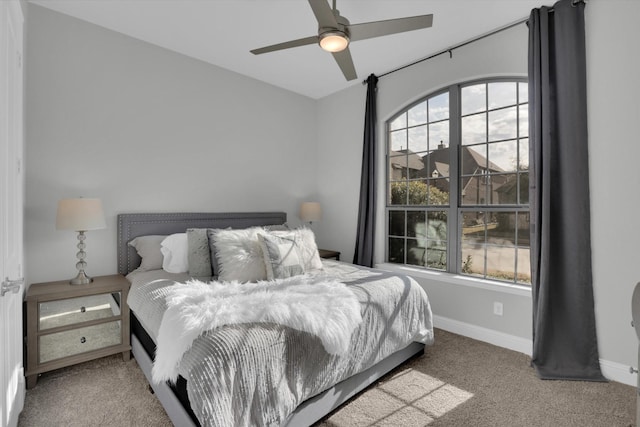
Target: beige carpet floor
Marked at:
458, 382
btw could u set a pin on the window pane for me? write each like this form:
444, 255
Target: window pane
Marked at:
524, 238
418, 192
502, 94
399, 123
502, 156
416, 224
472, 260
473, 158
502, 229
503, 124
501, 262
524, 188
473, 227
436, 257
399, 140
501, 242
474, 129
396, 250
505, 189
524, 266
439, 169
439, 134
398, 193
418, 114
473, 243
396, 223
474, 99
438, 192
398, 168
418, 139
523, 125
523, 92
474, 190
415, 252
439, 107
438, 221
523, 162
415, 166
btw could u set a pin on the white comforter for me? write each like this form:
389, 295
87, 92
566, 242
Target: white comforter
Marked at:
258, 373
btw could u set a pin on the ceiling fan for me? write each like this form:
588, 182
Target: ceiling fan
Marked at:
335, 33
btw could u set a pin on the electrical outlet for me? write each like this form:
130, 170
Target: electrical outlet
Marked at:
497, 308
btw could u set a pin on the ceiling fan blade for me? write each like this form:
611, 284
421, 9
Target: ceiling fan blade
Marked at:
343, 58
286, 45
324, 14
369, 30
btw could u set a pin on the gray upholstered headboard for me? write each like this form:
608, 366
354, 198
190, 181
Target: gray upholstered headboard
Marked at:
133, 225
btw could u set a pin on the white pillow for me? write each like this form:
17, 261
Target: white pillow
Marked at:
306, 244
175, 250
148, 248
281, 256
239, 255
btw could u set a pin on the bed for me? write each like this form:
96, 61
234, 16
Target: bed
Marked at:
333, 383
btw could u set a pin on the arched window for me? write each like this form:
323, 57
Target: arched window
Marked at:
458, 181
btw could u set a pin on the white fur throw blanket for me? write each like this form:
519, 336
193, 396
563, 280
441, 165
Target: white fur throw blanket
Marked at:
324, 308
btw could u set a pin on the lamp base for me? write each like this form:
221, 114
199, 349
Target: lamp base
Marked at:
81, 279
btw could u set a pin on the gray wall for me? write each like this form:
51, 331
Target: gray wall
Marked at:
146, 129
613, 66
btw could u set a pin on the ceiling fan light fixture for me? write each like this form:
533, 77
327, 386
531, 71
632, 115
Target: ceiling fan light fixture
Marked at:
333, 41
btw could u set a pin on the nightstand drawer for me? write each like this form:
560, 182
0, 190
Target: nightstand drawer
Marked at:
81, 340
53, 314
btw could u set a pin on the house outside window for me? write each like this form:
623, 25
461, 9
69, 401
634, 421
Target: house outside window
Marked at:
458, 182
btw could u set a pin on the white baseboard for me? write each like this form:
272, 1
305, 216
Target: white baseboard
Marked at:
612, 370
618, 372
479, 333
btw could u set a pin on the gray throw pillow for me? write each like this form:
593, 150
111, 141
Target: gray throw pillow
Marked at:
198, 255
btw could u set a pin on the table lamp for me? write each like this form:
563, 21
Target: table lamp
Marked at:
80, 215
310, 211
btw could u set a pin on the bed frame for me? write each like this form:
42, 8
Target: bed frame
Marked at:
307, 413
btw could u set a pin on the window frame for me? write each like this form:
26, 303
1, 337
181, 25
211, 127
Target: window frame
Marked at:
455, 210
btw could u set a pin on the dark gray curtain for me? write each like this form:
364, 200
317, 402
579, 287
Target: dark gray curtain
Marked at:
367, 210
564, 334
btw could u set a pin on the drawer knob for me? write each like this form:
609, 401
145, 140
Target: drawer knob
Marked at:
83, 340
82, 309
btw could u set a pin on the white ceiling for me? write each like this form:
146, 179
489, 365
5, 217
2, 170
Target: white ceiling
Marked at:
222, 32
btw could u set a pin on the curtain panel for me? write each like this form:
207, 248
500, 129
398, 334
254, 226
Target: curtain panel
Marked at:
564, 334
365, 236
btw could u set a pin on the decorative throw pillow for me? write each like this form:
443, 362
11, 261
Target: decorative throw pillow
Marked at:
239, 255
306, 244
198, 256
278, 227
175, 250
281, 256
148, 248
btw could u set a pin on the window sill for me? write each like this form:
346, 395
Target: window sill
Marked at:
457, 279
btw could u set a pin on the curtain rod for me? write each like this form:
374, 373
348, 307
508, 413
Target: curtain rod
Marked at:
450, 50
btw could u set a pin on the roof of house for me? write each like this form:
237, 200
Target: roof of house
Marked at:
414, 161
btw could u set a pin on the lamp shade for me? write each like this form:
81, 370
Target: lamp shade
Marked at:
310, 211
80, 215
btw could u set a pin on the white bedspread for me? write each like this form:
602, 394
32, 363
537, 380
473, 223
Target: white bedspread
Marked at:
256, 374
325, 309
